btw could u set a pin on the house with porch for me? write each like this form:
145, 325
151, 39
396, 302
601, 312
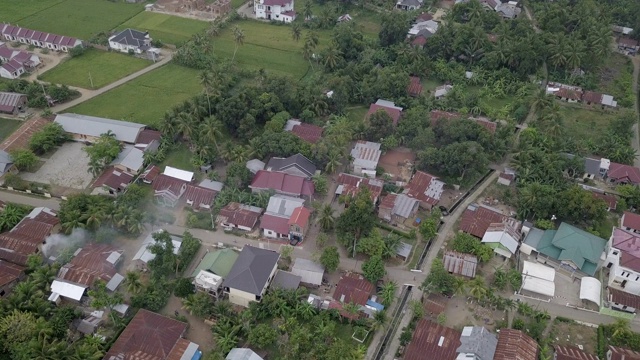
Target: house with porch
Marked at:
297, 165
169, 186
275, 10
238, 216
389, 107
282, 183
409, 5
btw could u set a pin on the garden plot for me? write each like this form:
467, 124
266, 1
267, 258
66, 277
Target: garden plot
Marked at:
68, 167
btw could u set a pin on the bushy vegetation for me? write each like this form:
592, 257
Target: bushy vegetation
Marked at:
48, 138
36, 93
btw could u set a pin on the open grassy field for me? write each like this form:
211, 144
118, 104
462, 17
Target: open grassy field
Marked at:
7, 127
166, 28
103, 67
585, 124
79, 18
146, 98
266, 46
179, 158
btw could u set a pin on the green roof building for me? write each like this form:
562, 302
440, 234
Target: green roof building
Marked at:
218, 262
569, 245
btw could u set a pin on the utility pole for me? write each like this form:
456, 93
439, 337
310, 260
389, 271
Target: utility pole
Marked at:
90, 79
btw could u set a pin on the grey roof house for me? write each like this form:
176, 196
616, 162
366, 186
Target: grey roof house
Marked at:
297, 165
477, 343
130, 40
408, 5
311, 273
242, 354
6, 163
250, 275
129, 160
89, 128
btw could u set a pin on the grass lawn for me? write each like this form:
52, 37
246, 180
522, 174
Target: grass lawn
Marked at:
7, 127
266, 46
166, 28
78, 18
238, 3
103, 66
616, 79
179, 158
146, 98
584, 123
357, 113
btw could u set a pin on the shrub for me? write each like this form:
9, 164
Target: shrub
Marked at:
77, 51
183, 288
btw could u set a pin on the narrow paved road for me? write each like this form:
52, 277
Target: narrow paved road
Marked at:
89, 94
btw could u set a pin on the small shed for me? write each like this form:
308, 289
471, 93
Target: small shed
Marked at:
590, 289
255, 165
285, 280
403, 251
311, 273
460, 264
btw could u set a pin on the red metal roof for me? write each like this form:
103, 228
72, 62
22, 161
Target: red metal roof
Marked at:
353, 288
200, 195
114, 179
419, 41
146, 136
285, 183
300, 217
16, 248
388, 202
592, 97
477, 218
624, 298
90, 265
631, 220
432, 341
9, 272
352, 184
419, 184
393, 113
415, 87
179, 349
275, 223
238, 215
151, 174
515, 345
572, 353
149, 336
164, 182
623, 173
308, 132
569, 94
610, 200
629, 245
618, 353
33, 228
435, 304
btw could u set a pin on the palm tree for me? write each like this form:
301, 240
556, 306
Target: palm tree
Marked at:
206, 80
211, 130
238, 36
296, 31
94, 217
326, 218
351, 309
305, 310
477, 288
379, 319
388, 292
333, 161
184, 124
132, 282
72, 221
331, 57
307, 11
620, 327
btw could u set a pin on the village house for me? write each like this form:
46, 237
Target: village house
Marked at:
169, 186
442, 91
630, 222
38, 38
622, 301
10, 275
503, 238
90, 263
112, 182
568, 248
571, 353
12, 103
460, 264
28, 236
282, 183
508, 10
409, 5
415, 87
628, 46
610, 200
476, 220
506, 177
476, 342
130, 41
515, 344
212, 269
619, 353
275, 10
366, 155
424, 28
153, 336
397, 208
130, 160
150, 174
311, 273
394, 112
623, 260
238, 216
538, 279
353, 288
574, 94
425, 188
242, 354
16, 62
89, 128
438, 341
297, 165
285, 218
200, 197
307, 132
350, 185
144, 254
6, 164
250, 275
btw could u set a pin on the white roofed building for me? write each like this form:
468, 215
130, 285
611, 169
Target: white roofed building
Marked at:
539, 279
89, 128
208, 283
178, 174
366, 155
310, 272
502, 238
144, 255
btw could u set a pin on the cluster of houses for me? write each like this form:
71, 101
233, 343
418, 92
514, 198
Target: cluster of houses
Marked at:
477, 342
575, 94
507, 10
16, 62
38, 38
626, 44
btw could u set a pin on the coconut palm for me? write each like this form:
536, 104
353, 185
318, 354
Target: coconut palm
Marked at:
207, 82
305, 310
211, 131
296, 31
238, 37
132, 282
326, 218
388, 292
331, 57
333, 161
307, 11
477, 288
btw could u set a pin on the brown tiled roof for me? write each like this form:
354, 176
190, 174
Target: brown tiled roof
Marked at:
90, 265
624, 298
275, 223
415, 87
149, 336
515, 345
146, 136
353, 288
394, 114
9, 272
235, 213
200, 195
165, 182
114, 179
624, 173
572, 353
592, 97
568, 94
477, 218
631, 220
308, 132
432, 341
610, 200
629, 42
285, 183
419, 184
352, 184
151, 174
618, 353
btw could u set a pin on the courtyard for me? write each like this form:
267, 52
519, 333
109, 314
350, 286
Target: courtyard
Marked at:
68, 167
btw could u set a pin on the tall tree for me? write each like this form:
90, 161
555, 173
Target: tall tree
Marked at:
238, 37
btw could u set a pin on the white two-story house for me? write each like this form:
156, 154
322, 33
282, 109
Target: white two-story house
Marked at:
277, 10
623, 260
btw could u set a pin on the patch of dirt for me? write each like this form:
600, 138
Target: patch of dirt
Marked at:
573, 334
398, 163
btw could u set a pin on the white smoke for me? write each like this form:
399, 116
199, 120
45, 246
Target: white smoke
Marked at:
59, 243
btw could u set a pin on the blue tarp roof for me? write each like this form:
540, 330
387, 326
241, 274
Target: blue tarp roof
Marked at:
375, 305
